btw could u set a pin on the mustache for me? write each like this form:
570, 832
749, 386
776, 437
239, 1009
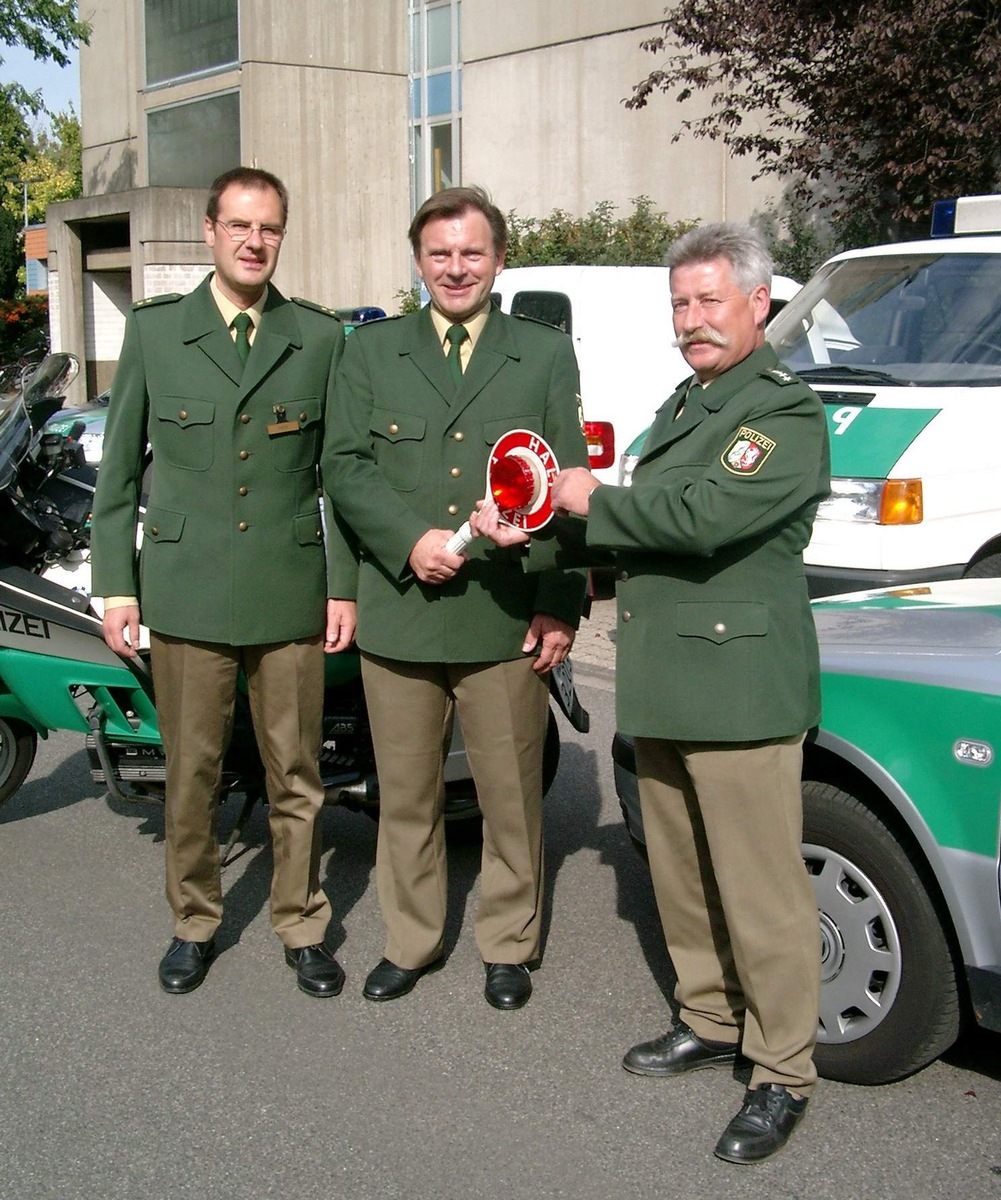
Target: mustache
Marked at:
703, 334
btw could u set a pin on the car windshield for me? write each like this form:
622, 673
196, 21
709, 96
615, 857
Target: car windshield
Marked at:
905, 320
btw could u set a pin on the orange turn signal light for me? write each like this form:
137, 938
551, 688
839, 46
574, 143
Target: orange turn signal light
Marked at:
902, 502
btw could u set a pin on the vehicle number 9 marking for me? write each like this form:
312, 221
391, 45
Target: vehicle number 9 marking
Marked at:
843, 418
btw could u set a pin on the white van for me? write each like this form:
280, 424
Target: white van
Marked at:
620, 321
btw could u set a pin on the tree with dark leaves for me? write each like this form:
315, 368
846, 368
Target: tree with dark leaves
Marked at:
875, 108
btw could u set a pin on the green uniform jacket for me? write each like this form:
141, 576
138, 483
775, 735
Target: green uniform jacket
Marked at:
233, 546
715, 638
410, 453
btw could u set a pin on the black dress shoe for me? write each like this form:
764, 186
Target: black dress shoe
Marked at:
387, 981
676, 1053
317, 972
509, 985
185, 965
770, 1114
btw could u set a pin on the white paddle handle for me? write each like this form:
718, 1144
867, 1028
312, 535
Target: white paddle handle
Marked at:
460, 539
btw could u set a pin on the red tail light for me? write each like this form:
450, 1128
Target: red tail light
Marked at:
600, 438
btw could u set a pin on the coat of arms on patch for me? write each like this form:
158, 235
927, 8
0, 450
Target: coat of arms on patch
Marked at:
747, 452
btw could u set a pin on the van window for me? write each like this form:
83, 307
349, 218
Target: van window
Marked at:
552, 307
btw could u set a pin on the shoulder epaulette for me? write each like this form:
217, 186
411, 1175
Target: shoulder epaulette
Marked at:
780, 375
327, 312
149, 301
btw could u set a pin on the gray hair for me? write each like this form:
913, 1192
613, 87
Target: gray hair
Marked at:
741, 245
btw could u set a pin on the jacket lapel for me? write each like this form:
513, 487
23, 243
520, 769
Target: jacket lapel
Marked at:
203, 326
278, 331
424, 350
495, 345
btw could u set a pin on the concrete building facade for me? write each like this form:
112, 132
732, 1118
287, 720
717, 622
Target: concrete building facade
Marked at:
363, 107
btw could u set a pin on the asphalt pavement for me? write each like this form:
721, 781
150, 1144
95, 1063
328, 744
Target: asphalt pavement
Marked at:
112, 1090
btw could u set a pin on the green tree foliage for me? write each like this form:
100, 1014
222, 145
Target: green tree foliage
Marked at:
597, 238
873, 108
11, 258
54, 169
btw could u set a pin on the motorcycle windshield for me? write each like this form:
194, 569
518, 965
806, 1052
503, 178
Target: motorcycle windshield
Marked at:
15, 437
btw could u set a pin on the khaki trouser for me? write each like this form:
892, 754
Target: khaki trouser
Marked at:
503, 710
195, 692
723, 826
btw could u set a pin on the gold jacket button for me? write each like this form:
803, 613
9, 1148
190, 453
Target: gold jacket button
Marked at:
243, 526
244, 490
304, 416
453, 509
627, 615
244, 418
455, 472
182, 415
719, 627
458, 435
319, 533
394, 428
154, 529
623, 576
245, 454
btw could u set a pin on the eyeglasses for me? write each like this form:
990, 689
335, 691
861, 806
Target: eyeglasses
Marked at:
239, 231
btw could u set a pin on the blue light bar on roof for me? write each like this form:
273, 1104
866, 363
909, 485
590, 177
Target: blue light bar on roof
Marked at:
966, 214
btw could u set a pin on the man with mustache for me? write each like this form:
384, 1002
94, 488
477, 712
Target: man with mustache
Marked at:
718, 680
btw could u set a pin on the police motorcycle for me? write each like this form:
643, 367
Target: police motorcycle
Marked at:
57, 673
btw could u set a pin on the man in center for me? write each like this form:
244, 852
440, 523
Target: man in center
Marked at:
423, 398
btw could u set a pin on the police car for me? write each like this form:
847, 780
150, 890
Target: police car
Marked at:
901, 824
903, 344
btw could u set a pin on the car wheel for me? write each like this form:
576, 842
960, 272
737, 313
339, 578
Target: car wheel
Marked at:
18, 743
988, 567
889, 1001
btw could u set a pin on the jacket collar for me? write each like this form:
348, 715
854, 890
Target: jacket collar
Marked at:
700, 401
495, 346
203, 324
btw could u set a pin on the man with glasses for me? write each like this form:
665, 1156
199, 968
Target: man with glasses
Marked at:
231, 386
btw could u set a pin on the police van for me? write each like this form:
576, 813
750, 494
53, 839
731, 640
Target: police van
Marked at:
620, 322
903, 344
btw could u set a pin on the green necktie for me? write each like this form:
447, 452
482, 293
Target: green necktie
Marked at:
456, 335
243, 323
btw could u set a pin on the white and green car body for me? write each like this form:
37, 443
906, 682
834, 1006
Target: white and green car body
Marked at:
902, 821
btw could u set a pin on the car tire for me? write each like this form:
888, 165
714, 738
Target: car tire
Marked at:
18, 743
988, 567
889, 993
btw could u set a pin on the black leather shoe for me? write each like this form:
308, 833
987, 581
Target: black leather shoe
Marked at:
185, 965
509, 985
676, 1053
317, 972
387, 981
770, 1114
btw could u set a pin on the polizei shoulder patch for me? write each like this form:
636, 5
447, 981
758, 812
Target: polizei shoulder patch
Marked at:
747, 452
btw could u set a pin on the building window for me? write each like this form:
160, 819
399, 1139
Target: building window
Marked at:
190, 144
435, 97
186, 38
